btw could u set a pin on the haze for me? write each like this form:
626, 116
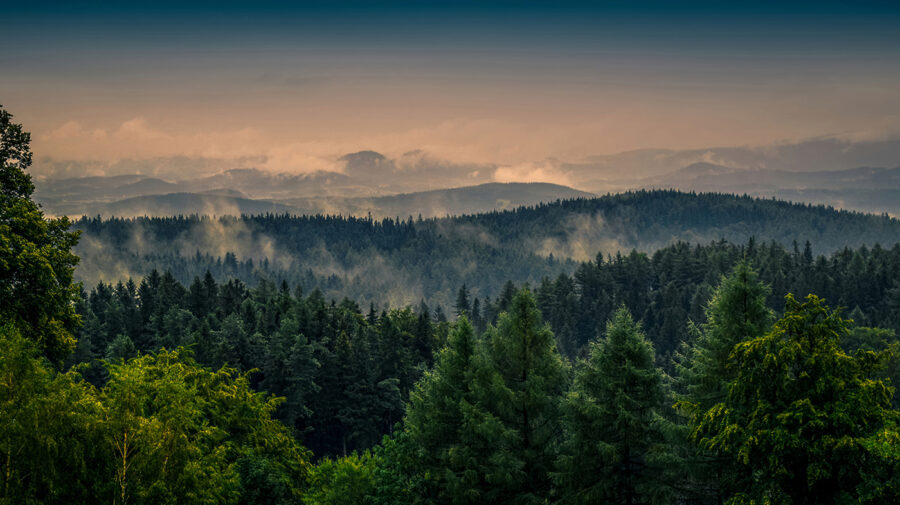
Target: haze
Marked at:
522, 89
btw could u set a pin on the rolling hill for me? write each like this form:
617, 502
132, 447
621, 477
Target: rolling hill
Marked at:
442, 202
408, 260
222, 201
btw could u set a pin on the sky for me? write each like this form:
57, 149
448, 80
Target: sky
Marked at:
300, 84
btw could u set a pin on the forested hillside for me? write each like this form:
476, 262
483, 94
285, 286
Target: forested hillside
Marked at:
351, 375
408, 260
328, 357
691, 375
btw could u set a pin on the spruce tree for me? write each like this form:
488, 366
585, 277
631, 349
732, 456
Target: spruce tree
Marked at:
462, 302
435, 419
804, 422
615, 443
736, 313
519, 384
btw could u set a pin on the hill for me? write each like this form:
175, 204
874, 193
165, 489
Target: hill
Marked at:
865, 189
442, 202
174, 204
221, 199
405, 261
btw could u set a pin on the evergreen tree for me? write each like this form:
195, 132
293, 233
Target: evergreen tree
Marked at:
289, 369
462, 302
519, 383
799, 415
121, 348
435, 418
614, 443
736, 313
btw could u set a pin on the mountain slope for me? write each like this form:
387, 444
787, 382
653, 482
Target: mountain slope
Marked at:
222, 201
865, 189
443, 202
407, 261
174, 204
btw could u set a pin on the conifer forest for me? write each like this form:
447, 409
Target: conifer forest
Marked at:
450, 253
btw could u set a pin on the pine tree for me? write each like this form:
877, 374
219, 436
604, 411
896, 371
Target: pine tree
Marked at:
615, 443
462, 302
736, 313
800, 417
289, 369
519, 384
435, 417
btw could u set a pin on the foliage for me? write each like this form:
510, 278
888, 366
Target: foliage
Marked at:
36, 259
671, 288
175, 430
800, 411
615, 445
349, 480
436, 421
736, 313
343, 376
46, 421
519, 381
163, 430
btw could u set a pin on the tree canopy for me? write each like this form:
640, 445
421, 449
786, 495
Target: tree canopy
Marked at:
36, 259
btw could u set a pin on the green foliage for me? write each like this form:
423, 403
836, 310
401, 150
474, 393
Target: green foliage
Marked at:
614, 450
163, 430
46, 428
349, 480
736, 313
514, 422
483, 425
174, 431
800, 413
436, 421
36, 259
394, 459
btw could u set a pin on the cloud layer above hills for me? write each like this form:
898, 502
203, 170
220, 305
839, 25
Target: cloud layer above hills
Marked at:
524, 88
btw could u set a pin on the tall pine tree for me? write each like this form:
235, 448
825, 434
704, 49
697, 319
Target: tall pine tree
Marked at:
435, 421
615, 441
736, 313
518, 389
799, 417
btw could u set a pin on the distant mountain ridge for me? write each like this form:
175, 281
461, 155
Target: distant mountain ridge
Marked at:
174, 204
436, 203
446, 202
866, 189
832, 171
408, 260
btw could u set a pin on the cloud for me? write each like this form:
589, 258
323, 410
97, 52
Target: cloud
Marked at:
136, 143
544, 171
136, 138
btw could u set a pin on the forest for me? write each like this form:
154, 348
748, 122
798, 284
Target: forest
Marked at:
405, 260
739, 372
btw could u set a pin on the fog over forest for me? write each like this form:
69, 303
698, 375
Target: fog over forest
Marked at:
348, 252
